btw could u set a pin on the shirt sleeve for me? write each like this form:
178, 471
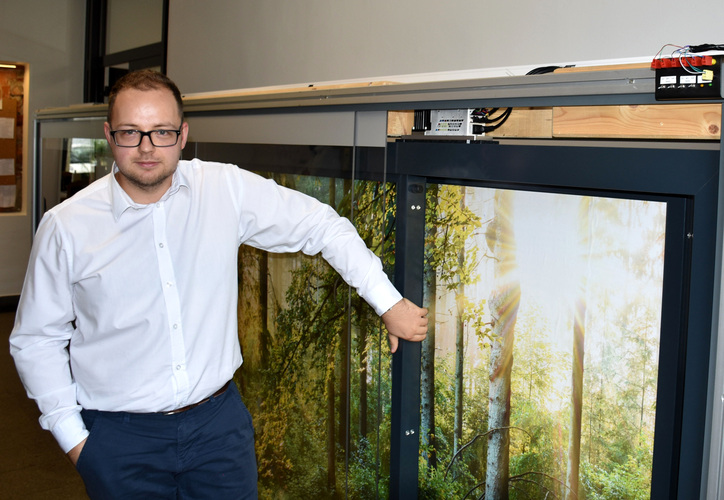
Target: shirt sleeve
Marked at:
41, 334
278, 219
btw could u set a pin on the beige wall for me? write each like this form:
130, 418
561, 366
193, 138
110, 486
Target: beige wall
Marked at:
48, 36
232, 44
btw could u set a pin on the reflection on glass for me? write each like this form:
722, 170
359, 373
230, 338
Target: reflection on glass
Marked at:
539, 379
69, 165
86, 160
316, 372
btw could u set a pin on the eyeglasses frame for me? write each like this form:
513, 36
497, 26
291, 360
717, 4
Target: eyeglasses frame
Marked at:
145, 134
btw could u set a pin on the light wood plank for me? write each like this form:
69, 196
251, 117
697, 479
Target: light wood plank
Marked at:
579, 69
399, 123
658, 121
527, 123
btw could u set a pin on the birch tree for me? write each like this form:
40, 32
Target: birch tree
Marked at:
503, 304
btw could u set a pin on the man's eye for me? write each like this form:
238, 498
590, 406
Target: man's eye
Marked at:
161, 133
128, 133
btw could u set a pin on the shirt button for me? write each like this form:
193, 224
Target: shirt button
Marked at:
160, 245
175, 327
178, 367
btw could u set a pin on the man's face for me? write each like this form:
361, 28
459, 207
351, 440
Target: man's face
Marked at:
145, 171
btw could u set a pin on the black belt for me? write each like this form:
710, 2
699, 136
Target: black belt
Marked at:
188, 407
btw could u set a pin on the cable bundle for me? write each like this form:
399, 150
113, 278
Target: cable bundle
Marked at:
483, 121
686, 57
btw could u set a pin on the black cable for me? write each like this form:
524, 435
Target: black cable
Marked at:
483, 115
502, 119
492, 123
543, 69
704, 47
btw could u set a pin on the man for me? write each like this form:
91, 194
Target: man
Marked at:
126, 332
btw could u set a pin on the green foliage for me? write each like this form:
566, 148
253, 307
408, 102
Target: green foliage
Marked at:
455, 224
365, 480
629, 480
435, 485
474, 317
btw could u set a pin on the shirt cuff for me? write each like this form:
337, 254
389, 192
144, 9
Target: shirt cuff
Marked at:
382, 297
70, 431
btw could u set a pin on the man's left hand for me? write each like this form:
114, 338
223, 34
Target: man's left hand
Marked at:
406, 321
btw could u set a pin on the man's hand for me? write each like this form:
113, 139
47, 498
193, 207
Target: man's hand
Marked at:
74, 453
406, 321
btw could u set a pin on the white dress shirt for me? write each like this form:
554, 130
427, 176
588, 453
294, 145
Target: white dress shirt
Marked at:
130, 307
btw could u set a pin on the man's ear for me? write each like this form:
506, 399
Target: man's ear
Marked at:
184, 134
107, 132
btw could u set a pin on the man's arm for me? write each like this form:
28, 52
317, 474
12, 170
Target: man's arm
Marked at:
40, 337
406, 321
278, 219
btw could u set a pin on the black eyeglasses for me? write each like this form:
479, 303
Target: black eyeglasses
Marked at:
133, 138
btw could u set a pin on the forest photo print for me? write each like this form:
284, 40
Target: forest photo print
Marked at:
540, 377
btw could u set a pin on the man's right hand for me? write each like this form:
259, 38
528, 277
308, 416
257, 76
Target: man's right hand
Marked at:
405, 320
74, 453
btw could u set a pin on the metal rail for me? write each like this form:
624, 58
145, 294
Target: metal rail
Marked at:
621, 86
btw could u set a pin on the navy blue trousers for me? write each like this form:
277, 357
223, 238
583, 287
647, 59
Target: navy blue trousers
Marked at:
206, 452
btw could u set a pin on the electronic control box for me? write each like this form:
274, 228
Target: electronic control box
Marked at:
698, 77
457, 122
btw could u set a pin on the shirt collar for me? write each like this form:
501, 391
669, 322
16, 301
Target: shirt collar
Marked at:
120, 201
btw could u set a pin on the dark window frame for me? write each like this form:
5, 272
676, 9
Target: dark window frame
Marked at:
689, 276
97, 60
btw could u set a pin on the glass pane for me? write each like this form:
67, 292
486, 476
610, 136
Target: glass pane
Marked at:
539, 379
71, 164
316, 371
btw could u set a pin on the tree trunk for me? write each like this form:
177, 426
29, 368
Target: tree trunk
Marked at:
362, 371
459, 365
574, 436
253, 326
503, 304
344, 358
579, 342
459, 344
427, 376
331, 441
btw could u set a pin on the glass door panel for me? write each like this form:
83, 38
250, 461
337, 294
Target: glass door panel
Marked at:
540, 375
316, 371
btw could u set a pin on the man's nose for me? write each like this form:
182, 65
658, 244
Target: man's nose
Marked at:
146, 143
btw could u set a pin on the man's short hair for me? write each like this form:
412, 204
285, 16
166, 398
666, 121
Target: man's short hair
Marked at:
145, 79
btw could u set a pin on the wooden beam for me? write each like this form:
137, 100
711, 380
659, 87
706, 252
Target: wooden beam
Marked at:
581, 69
530, 123
399, 123
658, 121
690, 121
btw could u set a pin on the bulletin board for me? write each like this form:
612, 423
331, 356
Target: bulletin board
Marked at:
11, 139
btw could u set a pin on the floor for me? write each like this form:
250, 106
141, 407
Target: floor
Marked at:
32, 466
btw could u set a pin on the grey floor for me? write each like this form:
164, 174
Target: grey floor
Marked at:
32, 466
